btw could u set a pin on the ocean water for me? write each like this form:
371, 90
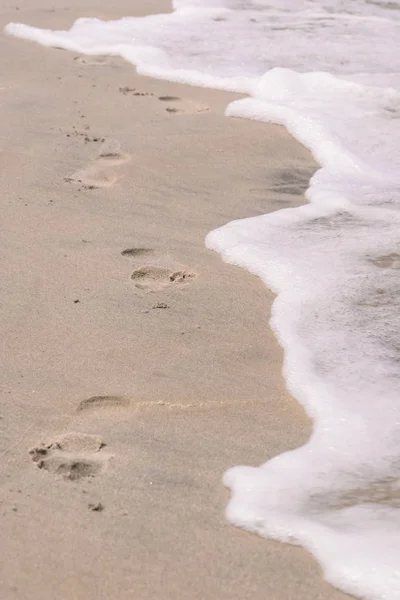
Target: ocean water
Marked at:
329, 71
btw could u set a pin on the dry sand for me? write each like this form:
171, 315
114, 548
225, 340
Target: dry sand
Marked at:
136, 393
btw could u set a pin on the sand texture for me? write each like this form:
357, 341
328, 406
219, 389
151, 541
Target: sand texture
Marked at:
136, 365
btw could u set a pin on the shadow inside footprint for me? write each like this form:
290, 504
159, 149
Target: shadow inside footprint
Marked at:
136, 251
169, 98
110, 149
100, 402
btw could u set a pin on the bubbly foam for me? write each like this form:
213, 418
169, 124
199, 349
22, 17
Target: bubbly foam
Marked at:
330, 72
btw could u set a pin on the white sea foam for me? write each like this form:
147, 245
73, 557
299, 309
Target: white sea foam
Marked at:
330, 72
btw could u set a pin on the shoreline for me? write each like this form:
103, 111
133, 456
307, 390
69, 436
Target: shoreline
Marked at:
167, 396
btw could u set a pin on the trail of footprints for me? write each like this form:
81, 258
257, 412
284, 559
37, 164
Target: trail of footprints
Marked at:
103, 171
176, 105
78, 456
75, 456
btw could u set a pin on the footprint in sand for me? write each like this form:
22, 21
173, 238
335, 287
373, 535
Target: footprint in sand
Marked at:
184, 107
94, 61
102, 172
153, 278
387, 261
121, 405
74, 456
93, 177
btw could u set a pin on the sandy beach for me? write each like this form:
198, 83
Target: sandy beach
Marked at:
136, 366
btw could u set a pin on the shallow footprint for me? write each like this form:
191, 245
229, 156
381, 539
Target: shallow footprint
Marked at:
96, 61
93, 177
154, 278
